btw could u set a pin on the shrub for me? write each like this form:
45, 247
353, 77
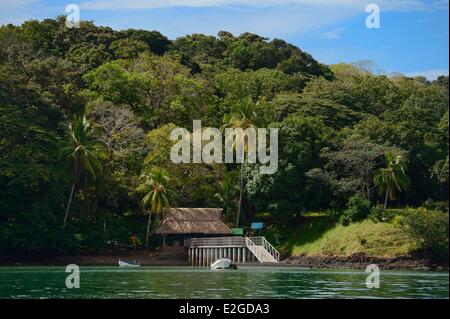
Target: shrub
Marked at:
93, 239
377, 213
38, 232
358, 208
436, 205
276, 234
430, 229
345, 219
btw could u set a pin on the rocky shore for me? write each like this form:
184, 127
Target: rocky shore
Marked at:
360, 261
103, 258
176, 257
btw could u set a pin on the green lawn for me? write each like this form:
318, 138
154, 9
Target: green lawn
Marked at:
323, 235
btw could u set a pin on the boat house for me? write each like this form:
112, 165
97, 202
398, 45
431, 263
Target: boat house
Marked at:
204, 238
181, 224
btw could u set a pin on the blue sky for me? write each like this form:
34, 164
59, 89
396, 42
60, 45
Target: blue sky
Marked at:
413, 38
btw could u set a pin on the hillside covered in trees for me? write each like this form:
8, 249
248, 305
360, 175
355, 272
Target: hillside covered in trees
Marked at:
86, 114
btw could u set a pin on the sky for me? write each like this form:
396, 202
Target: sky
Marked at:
412, 39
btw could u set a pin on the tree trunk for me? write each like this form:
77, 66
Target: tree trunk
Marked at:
68, 204
148, 229
386, 199
241, 190
298, 218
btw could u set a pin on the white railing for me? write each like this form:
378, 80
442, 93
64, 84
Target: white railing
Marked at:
254, 249
215, 242
261, 241
271, 249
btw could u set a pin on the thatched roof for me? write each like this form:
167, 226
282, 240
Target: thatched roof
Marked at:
192, 221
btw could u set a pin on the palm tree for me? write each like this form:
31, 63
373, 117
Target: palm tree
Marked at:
84, 148
157, 189
439, 172
392, 178
227, 195
242, 115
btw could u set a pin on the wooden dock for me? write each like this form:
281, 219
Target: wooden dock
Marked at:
204, 251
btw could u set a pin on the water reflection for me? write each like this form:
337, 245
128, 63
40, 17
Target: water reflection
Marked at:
186, 282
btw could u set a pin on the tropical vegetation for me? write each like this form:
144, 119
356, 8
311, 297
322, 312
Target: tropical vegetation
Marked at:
86, 115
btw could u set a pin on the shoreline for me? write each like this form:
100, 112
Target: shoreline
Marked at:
104, 258
356, 261
361, 261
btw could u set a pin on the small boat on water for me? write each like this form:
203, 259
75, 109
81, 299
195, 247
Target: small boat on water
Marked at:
223, 263
130, 264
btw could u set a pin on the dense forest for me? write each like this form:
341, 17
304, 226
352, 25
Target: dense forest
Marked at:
86, 114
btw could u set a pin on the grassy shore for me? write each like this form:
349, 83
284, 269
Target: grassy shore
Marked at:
321, 241
320, 234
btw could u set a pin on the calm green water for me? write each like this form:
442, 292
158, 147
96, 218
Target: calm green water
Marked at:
186, 282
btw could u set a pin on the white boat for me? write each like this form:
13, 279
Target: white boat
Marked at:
223, 263
131, 264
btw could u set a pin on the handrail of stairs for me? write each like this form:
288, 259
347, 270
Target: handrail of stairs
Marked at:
272, 250
261, 241
252, 247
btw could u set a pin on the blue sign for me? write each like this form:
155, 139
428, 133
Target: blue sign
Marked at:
257, 225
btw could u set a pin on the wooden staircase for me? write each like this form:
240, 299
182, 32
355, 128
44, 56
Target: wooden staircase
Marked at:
262, 249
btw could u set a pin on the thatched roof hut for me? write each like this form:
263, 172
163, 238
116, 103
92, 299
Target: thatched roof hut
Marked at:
202, 221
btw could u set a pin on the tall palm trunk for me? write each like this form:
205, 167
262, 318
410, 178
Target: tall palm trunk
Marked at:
386, 198
148, 229
68, 204
241, 191
388, 188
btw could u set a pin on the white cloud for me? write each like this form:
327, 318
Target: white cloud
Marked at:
269, 22
13, 4
272, 18
343, 4
334, 34
429, 74
440, 4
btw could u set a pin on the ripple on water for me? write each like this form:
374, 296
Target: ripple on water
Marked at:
178, 282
